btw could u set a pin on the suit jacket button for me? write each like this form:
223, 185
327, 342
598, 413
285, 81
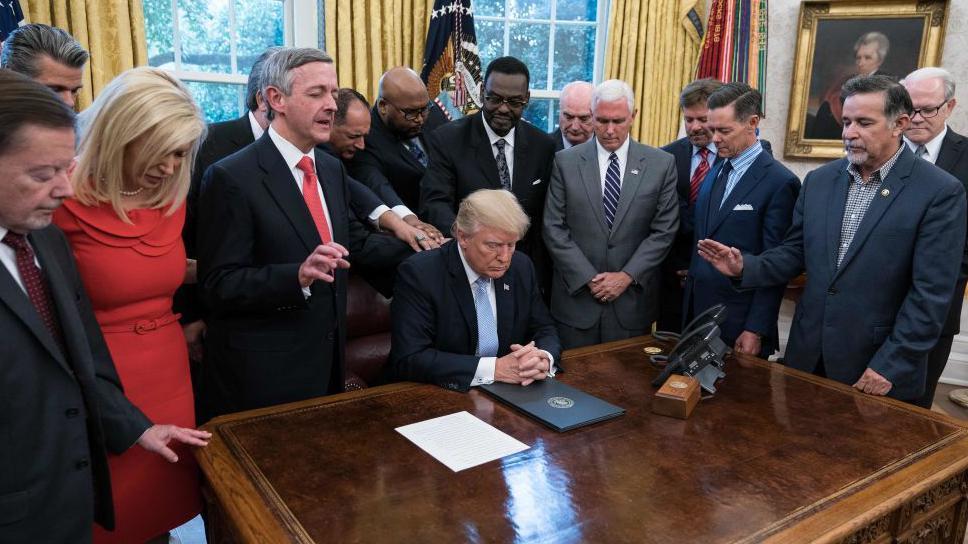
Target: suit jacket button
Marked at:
81, 464
71, 412
831, 291
330, 336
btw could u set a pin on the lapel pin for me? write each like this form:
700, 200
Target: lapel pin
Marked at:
635, 172
506, 288
885, 192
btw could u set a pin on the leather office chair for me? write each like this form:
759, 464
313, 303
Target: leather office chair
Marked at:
367, 333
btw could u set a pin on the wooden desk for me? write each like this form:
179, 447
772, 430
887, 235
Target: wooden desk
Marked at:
776, 456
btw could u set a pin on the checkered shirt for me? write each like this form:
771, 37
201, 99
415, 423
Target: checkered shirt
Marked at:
859, 197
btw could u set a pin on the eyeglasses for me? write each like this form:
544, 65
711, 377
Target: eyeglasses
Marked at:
411, 114
928, 113
495, 101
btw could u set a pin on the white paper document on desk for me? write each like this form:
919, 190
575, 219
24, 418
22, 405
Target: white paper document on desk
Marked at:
461, 440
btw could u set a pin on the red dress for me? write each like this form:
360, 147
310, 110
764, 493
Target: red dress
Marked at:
131, 272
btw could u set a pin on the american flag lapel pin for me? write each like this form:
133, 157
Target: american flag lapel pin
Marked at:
507, 287
635, 171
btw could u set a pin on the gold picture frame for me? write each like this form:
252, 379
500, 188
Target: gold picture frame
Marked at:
838, 37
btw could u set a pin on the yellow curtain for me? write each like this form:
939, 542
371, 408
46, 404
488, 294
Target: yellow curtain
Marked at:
651, 47
113, 31
368, 37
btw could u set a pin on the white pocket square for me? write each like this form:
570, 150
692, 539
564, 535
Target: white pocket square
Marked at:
535, 182
743, 208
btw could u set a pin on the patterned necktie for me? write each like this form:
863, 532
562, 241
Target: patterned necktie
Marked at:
921, 152
719, 187
417, 153
486, 325
502, 164
311, 196
613, 189
34, 284
700, 174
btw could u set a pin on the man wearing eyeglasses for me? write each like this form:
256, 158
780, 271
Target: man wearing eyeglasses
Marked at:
575, 125
394, 157
493, 149
932, 93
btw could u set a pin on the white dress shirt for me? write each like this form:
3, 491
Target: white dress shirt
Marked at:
933, 147
623, 158
485, 366
696, 157
508, 147
257, 129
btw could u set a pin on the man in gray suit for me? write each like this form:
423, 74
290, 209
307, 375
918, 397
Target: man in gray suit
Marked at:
609, 220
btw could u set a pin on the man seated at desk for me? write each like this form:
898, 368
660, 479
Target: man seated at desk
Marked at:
470, 313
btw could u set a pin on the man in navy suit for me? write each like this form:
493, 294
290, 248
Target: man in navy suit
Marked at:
274, 228
932, 93
747, 203
695, 155
880, 234
471, 313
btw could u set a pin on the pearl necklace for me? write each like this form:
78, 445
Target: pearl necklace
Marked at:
132, 193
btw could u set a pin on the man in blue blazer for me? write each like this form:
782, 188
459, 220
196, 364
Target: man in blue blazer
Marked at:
746, 203
471, 313
880, 235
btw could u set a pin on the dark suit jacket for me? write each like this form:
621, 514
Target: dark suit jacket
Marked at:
462, 161
770, 190
883, 307
953, 158
556, 137
435, 323
58, 412
389, 168
224, 139
682, 249
268, 344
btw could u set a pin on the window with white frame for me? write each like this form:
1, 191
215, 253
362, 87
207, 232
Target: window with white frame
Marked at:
559, 40
212, 44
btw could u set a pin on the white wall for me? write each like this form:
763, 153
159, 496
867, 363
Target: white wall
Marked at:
784, 16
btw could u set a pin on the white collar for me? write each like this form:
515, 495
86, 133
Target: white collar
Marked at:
471, 275
493, 137
933, 146
622, 152
257, 129
290, 153
710, 146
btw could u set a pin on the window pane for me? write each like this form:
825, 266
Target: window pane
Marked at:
555, 109
204, 33
574, 54
490, 40
488, 8
530, 42
577, 10
260, 24
537, 112
219, 101
158, 31
530, 9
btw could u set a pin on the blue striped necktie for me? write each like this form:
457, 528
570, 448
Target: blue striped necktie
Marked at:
613, 188
486, 325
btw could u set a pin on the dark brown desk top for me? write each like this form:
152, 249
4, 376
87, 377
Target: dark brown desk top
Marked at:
776, 455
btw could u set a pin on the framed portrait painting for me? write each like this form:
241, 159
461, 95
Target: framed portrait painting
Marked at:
838, 40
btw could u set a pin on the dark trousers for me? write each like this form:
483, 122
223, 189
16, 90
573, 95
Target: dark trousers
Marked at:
937, 359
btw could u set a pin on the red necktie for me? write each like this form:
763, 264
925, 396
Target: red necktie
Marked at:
311, 195
700, 174
34, 283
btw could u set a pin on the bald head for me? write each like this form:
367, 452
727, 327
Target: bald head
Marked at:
575, 117
402, 102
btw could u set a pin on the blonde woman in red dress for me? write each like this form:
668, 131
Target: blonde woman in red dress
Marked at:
124, 225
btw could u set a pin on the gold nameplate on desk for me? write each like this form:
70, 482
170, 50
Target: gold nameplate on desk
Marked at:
677, 397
